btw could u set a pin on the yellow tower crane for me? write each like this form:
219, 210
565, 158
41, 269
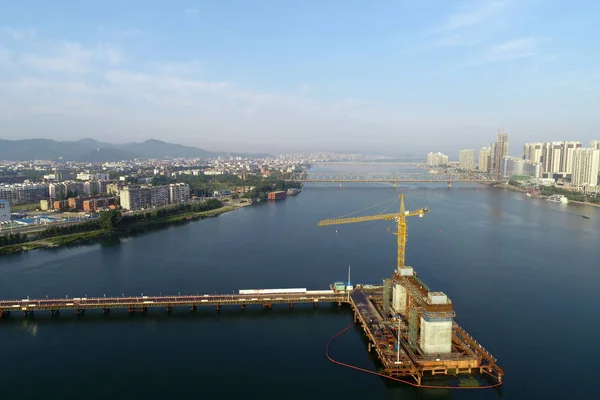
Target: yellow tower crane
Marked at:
400, 219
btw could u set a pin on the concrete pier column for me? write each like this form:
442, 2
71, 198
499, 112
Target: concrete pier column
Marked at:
339, 303
314, 304
291, 305
80, 311
4, 313
449, 185
193, 308
145, 309
243, 306
105, 311
394, 185
169, 309
218, 307
340, 185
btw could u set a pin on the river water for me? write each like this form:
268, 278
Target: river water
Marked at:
522, 273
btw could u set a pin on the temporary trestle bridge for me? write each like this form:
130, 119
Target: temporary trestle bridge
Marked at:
143, 303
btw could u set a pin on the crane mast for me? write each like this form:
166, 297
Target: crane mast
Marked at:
400, 219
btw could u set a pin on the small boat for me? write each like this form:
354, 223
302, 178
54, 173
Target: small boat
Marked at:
558, 198
585, 216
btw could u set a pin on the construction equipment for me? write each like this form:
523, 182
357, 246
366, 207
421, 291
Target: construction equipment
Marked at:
400, 219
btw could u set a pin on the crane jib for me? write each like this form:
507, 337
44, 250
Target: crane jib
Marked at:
399, 218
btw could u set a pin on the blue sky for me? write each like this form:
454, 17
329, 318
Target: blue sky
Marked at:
381, 76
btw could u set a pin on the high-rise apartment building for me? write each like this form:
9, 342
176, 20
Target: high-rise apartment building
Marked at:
512, 166
586, 165
159, 195
567, 156
556, 157
135, 197
500, 150
435, 159
485, 159
466, 159
179, 192
4, 211
595, 144
533, 152
23, 193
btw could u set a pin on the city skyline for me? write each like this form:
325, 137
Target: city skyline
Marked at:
277, 77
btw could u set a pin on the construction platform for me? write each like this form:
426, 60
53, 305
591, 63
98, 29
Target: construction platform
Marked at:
392, 336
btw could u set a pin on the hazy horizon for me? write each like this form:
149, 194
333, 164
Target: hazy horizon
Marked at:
389, 78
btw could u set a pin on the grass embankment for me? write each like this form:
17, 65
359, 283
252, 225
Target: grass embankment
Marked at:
176, 218
75, 238
25, 207
55, 241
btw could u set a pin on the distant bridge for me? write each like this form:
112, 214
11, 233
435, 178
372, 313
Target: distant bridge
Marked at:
395, 177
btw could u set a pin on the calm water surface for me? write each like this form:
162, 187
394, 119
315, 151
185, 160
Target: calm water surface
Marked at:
523, 275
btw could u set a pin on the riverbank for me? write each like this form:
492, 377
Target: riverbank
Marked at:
517, 189
92, 236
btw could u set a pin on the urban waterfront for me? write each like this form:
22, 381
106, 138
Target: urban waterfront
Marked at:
521, 273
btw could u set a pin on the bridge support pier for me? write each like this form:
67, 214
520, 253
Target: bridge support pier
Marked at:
291, 305
218, 307
449, 185
193, 308
267, 305
4, 313
169, 309
340, 185
52, 312
106, 311
339, 303
27, 312
80, 311
314, 304
394, 185
243, 306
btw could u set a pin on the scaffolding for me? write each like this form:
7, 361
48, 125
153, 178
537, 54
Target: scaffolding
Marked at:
387, 294
413, 327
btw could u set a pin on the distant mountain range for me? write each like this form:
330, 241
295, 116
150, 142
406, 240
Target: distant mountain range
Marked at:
95, 151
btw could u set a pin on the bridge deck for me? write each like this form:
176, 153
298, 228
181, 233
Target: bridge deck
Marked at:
143, 302
394, 177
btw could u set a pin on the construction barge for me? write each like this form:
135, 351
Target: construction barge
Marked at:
410, 327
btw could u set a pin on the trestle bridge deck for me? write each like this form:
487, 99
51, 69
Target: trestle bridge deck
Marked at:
143, 303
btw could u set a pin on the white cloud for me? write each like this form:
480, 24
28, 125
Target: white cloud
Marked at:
6, 57
71, 57
192, 12
476, 13
18, 34
513, 49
